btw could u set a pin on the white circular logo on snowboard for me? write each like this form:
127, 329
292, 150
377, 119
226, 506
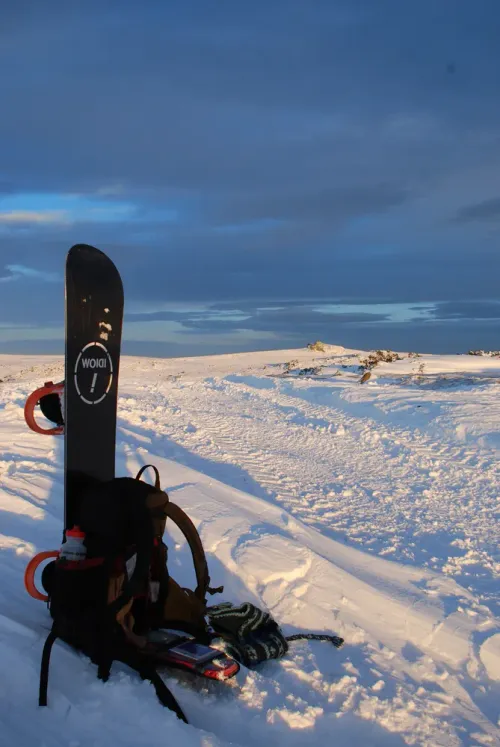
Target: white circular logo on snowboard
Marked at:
93, 373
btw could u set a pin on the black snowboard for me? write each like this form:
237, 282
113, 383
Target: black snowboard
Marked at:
94, 315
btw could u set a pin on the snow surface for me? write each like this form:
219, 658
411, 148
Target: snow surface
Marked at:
369, 511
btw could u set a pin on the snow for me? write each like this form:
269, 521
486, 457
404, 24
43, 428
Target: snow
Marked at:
369, 510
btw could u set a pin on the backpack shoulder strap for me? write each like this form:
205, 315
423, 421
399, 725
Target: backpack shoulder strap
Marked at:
188, 529
190, 532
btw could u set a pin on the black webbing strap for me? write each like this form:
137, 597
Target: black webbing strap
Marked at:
164, 695
147, 671
104, 656
44, 668
112, 650
334, 639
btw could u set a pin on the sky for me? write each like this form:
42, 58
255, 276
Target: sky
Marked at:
263, 174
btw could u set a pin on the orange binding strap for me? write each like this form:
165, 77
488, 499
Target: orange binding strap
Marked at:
31, 403
29, 574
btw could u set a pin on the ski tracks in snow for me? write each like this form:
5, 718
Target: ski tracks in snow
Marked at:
396, 491
405, 492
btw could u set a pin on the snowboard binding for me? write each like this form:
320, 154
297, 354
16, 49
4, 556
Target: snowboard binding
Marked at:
49, 399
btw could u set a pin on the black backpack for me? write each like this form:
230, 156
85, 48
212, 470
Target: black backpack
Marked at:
105, 605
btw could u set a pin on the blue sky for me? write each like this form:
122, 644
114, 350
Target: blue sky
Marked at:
262, 173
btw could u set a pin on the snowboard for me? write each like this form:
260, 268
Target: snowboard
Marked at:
93, 322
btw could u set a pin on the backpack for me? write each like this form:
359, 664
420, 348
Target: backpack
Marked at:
106, 604
109, 604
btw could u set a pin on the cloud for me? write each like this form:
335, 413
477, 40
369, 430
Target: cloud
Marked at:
20, 334
219, 328
320, 204
68, 209
18, 272
110, 190
23, 217
470, 310
294, 320
486, 210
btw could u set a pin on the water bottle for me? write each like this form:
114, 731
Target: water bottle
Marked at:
74, 548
